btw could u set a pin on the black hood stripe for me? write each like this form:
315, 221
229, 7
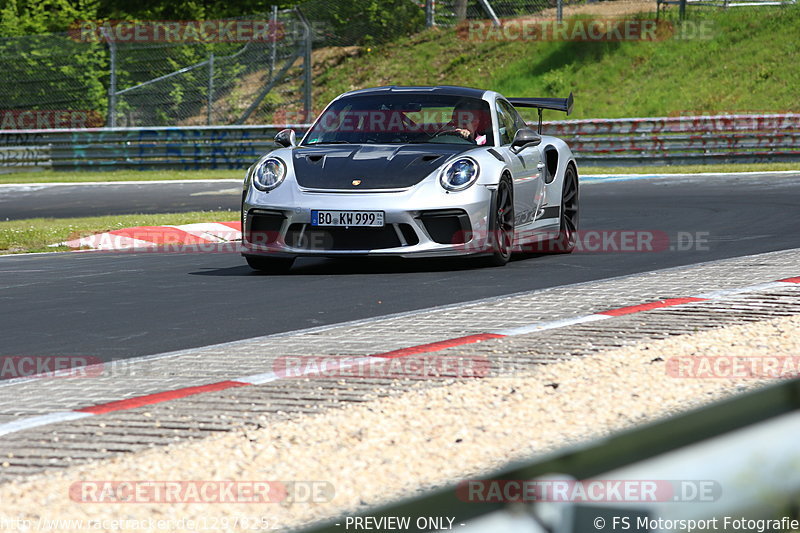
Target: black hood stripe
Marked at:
355, 167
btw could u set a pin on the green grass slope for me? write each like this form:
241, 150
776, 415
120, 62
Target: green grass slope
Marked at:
748, 65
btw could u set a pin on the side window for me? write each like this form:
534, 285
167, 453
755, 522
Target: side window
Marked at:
513, 117
519, 122
505, 124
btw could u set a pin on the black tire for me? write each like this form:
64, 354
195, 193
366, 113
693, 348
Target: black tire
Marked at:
501, 225
564, 243
270, 265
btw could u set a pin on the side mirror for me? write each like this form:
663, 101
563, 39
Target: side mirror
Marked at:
524, 138
286, 138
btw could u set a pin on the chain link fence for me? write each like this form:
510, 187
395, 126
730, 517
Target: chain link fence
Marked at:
451, 12
49, 77
110, 74
209, 84
682, 4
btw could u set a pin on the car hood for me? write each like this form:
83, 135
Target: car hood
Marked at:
369, 166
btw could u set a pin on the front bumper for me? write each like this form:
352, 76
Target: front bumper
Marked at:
424, 221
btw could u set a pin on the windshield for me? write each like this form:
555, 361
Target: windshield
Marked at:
404, 119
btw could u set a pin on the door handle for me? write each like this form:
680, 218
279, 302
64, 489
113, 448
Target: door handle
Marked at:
540, 166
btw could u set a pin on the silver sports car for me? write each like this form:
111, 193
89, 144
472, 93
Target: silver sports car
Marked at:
413, 172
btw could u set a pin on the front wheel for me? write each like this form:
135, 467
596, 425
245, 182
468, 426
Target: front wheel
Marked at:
270, 265
501, 225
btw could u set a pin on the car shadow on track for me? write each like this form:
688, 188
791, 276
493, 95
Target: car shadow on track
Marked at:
360, 266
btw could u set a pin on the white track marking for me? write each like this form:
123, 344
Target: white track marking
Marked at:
42, 420
744, 290
211, 231
260, 379
541, 326
108, 241
342, 364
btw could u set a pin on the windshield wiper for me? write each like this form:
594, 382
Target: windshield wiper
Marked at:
329, 142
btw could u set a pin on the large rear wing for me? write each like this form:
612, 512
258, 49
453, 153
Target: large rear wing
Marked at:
556, 104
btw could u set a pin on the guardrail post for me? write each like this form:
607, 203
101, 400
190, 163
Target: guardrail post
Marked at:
559, 10
682, 9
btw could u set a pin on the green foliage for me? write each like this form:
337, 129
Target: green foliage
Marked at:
56, 71
364, 21
187, 10
52, 69
746, 62
26, 17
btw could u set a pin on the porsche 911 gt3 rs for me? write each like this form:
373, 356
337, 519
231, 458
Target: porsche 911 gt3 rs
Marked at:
413, 172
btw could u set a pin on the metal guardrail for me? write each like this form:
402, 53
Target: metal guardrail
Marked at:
629, 141
728, 440
681, 140
176, 148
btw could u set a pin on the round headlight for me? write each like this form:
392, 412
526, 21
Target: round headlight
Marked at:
460, 174
268, 173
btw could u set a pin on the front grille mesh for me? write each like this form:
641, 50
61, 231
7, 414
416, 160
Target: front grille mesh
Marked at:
307, 237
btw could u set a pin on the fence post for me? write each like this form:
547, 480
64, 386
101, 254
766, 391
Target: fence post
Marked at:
210, 88
682, 9
274, 38
490, 11
559, 10
430, 11
309, 40
111, 120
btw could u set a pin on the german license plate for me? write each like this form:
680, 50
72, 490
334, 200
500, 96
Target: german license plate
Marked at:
370, 219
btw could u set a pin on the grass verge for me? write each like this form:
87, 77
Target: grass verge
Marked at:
36, 234
50, 176
744, 60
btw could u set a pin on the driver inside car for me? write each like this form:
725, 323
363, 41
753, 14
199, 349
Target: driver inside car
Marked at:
467, 122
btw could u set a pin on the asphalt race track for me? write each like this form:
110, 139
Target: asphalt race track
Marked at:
118, 198
122, 305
